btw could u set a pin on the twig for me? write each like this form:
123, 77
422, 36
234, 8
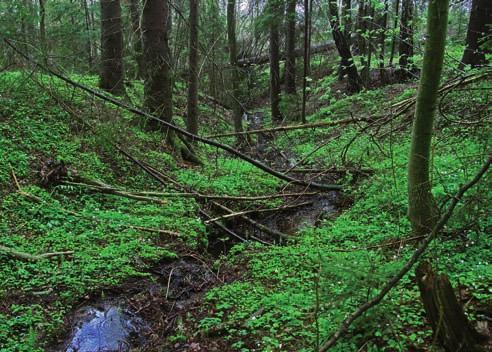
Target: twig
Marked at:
32, 257
409, 264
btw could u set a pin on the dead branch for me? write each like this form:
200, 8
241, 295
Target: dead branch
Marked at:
409, 264
253, 211
293, 127
179, 130
32, 257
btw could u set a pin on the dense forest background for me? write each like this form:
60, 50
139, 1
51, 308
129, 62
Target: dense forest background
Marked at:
245, 175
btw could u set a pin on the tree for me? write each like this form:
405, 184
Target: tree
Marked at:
406, 39
290, 63
347, 62
42, 28
237, 110
158, 94
274, 9
479, 28
134, 9
192, 116
111, 77
306, 59
421, 206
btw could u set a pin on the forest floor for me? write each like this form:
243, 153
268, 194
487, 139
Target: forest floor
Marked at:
187, 285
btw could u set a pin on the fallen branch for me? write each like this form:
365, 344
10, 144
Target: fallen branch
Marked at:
292, 127
409, 264
179, 130
253, 211
32, 257
196, 195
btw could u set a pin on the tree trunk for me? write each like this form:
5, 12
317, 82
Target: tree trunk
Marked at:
406, 39
354, 81
274, 7
237, 110
347, 19
290, 63
42, 29
88, 45
158, 94
479, 28
369, 26
382, 42
111, 78
192, 117
452, 330
306, 60
421, 207
395, 26
134, 8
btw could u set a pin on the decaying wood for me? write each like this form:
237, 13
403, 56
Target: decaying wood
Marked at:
451, 327
32, 257
342, 329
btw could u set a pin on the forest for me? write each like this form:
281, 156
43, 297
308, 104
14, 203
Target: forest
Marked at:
245, 175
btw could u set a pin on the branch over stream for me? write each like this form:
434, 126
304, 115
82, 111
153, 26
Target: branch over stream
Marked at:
193, 137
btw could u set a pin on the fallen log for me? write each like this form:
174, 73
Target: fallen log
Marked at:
264, 59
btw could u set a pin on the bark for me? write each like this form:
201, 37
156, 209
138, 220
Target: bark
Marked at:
111, 77
237, 110
306, 60
290, 63
395, 26
158, 93
347, 61
88, 27
382, 42
275, 11
452, 330
347, 19
134, 8
421, 206
42, 28
406, 39
479, 28
192, 117
369, 26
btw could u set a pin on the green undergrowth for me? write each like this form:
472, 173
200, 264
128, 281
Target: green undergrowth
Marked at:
295, 296
44, 120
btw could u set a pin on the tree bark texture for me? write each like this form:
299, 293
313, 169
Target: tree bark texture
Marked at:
111, 77
290, 63
479, 27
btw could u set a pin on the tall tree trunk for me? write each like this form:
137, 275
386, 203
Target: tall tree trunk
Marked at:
406, 39
42, 29
111, 78
306, 59
368, 42
88, 48
382, 42
192, 117
421, 206
395, 26
354, 80
134, 8
158, 94
290, 63
237, 110
274, 7
479, 28
347, 19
